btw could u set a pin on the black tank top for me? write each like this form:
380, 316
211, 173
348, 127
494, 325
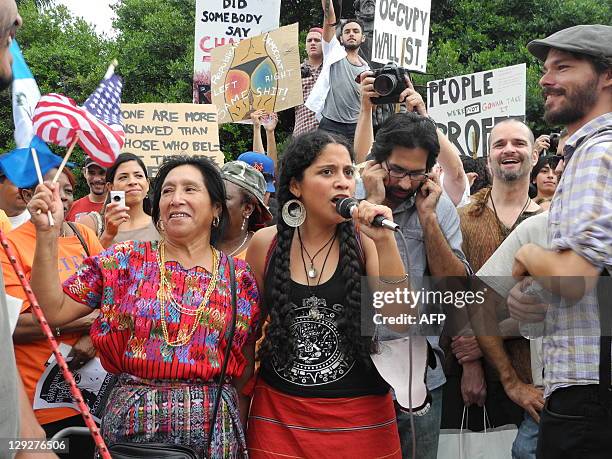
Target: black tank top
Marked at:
319, 369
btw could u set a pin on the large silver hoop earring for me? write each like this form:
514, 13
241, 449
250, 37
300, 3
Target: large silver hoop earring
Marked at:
294, 213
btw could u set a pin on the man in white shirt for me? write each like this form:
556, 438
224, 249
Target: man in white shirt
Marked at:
335, 97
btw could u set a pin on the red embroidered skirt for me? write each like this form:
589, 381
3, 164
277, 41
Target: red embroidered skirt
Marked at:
284, 426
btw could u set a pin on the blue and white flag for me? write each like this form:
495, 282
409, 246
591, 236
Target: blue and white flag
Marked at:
25, 97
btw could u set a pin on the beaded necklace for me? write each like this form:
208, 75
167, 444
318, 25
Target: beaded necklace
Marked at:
165, 292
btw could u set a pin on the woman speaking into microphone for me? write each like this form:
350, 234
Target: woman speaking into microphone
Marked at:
317, 392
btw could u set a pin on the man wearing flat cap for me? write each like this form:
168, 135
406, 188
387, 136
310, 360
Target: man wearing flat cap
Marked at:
576, 421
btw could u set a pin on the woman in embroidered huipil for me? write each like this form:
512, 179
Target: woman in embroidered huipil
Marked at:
165, 314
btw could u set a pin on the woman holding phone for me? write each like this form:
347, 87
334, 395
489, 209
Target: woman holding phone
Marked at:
126, 215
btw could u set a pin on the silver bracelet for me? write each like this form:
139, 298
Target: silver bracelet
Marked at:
399, 281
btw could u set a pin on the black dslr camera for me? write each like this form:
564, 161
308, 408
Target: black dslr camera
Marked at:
389, 82
554, 143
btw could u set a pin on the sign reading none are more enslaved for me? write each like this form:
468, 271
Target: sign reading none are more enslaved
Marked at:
401, 33
155, 131
219, 22
467, 107
261, 72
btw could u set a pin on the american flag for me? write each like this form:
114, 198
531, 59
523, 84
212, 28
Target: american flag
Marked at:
58, 119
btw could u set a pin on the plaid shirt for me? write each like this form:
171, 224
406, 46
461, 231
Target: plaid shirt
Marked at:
580, 220
305, 120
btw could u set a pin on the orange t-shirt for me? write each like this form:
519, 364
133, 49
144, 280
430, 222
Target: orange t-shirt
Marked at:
31, 357
5, 223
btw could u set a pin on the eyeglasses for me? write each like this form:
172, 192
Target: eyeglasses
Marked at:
401, 173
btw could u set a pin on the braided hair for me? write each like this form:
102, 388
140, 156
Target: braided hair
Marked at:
279, 343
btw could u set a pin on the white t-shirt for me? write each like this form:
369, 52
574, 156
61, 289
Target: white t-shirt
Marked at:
497, 273
20, 219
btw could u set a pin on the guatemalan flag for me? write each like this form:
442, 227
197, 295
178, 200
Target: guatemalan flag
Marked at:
25, 97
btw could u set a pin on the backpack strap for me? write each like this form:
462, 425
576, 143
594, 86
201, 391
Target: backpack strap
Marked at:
78, 234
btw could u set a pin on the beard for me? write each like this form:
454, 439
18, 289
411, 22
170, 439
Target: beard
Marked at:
397, 195
5, 81
578, 101
351, 46
511, 176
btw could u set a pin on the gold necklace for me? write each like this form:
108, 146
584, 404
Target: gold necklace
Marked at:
165, 289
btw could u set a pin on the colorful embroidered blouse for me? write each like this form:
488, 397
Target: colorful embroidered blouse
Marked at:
123, 282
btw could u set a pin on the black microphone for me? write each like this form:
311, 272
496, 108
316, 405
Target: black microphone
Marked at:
345, 207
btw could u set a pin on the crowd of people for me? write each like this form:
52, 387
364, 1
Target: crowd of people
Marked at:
228, 302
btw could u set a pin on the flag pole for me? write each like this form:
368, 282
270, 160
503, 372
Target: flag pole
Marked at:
109, 73
65, 160
61, 362
40, 181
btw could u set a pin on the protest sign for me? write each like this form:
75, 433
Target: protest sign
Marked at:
261, 72
52, 391
154, 131
221, 22
401, 33
467, 107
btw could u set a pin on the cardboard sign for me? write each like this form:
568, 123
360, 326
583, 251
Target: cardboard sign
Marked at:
401, 33
154, 131
262, 72
467, 107
221, 22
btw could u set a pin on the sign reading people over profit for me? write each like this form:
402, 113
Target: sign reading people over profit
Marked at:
220, 22
261, 72
401, 33
155, 131
467, 107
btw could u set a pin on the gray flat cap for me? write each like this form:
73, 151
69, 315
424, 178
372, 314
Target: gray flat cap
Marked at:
594, 40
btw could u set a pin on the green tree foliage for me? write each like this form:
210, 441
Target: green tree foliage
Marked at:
475, 35
154, 47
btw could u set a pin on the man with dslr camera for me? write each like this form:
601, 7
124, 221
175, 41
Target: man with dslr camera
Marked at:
406, 149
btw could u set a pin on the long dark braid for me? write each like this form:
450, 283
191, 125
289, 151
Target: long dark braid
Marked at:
349, 324
279, 343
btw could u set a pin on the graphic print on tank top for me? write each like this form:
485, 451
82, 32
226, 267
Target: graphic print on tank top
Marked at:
319, 359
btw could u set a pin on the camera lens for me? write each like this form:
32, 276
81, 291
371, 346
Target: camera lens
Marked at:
117, 198
385, 84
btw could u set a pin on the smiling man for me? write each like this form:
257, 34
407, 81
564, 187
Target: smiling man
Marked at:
491, 215
577, 85
95, 176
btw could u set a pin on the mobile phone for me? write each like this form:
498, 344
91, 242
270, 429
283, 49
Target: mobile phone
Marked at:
118, 197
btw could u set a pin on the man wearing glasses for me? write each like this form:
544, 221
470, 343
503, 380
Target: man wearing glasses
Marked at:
405, 149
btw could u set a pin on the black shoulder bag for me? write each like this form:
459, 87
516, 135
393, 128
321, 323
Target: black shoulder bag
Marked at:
128, 450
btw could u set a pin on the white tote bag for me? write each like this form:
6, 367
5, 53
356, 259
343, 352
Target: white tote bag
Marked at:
492, 443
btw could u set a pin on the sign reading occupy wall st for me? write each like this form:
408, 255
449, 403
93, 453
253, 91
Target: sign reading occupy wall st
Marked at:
467, 107
259, 73
401, 33
155, 131
219, 22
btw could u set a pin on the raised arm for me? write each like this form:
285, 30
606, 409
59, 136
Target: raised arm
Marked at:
269, 125
329, 20
58, 307
257, 140
364, 132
